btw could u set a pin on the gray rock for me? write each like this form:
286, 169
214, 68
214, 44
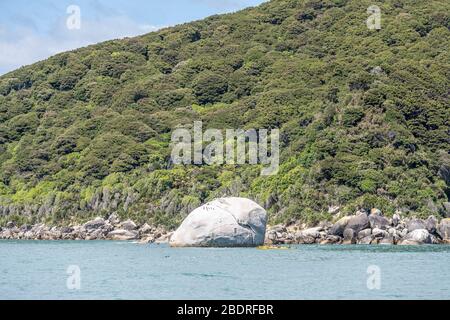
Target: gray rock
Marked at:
147, 239
417, 236
338, 228
25, 228
387, 240
396, 219
145, 229
349, 236
446, 206
10, 225
377, 71
444, 229
366, 240
361, 212
94, 224
403, 233
279, 228
392, 231
225, 222
66, 230
364, 233
114, 219
165, 238
379, 233
128, 225
415, 224
302, 238
379, 222
431, 224
359, 222
313, 232
122, 234
330, 239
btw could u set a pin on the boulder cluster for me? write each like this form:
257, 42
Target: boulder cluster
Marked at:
97, 229
365, 228
238, 222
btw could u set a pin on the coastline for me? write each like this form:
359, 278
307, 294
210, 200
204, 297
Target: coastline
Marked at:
97, 229
361, 228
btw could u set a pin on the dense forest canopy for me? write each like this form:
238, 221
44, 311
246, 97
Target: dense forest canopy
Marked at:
363, 115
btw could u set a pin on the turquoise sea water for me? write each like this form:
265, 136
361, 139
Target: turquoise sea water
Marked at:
125, 270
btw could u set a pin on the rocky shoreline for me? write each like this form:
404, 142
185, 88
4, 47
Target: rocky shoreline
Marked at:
97, 229
365, 228
361, 228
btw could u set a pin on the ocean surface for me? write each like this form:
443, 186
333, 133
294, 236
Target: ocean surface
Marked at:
125, 270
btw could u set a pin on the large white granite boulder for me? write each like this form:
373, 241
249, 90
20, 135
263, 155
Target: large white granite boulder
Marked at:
225, 222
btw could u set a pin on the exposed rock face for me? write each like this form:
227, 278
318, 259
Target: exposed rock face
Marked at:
379, 233
446, 207
308, 236
128, 225
377, 221
359, 222
431, 224
94, 224
396, 219
377, 230
366, 240
415, 224
349, 236
444, 229
364, 233
417, 236
338, 228
225, 222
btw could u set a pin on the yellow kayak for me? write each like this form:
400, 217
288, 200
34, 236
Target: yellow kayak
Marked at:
271, 248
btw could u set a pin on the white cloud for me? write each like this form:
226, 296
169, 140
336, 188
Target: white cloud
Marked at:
26, 45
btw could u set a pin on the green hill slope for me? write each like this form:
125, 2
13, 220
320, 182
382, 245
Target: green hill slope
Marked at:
364, 115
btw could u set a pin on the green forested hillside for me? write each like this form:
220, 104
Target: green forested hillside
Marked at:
364, 115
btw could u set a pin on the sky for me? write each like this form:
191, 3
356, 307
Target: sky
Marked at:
35, 30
